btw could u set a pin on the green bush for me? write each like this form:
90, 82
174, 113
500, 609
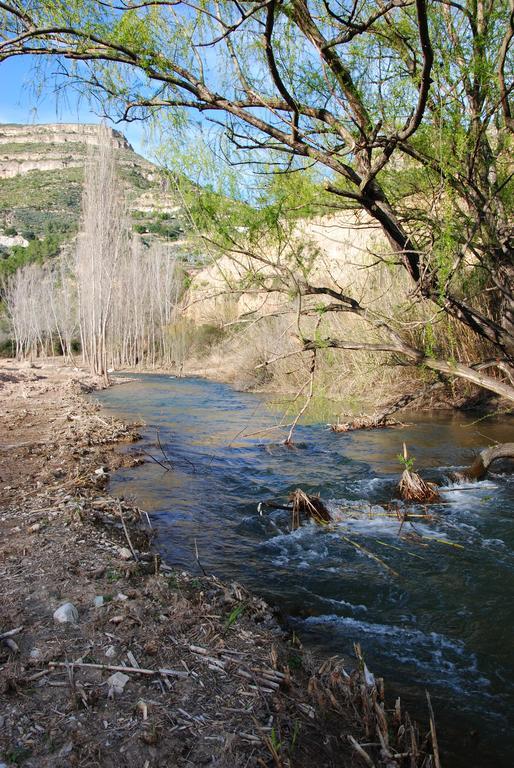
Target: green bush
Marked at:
7, 348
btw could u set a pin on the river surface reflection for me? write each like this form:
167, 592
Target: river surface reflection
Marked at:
445, 623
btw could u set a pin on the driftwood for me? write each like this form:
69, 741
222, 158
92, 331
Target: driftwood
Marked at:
366, 422
486, 457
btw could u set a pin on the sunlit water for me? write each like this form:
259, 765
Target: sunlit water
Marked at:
445, 623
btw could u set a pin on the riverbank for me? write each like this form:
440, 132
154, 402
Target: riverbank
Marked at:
210, 677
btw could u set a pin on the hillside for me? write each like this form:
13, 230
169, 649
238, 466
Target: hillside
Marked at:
41, 177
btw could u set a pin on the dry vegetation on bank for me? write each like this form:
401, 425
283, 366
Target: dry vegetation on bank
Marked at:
210, 678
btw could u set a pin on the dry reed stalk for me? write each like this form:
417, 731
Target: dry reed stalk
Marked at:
412, 487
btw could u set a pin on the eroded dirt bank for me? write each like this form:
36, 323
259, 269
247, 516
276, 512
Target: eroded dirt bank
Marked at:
206, 674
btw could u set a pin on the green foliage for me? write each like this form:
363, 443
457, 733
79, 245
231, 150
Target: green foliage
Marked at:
36, 251
7, 348
234, 615
294, 661
407, 463
43, 190
429, 340
166, 229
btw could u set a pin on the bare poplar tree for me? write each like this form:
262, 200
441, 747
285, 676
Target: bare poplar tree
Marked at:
100, 247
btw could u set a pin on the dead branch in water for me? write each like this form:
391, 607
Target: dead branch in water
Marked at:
312, 370
412, 487
481, 464
308, 507
367, 422
384, 419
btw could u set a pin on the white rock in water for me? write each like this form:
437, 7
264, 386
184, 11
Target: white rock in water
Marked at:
125, 553
66, 613
117, 682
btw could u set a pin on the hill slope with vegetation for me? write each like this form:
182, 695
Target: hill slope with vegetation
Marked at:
41, 181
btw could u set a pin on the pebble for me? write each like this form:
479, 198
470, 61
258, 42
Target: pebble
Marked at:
117, 682
35, 653
35, 528
66, 613
125, 553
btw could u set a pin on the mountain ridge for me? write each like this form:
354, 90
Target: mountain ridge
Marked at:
41, 181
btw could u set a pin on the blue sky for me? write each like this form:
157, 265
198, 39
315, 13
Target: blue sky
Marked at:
24, 100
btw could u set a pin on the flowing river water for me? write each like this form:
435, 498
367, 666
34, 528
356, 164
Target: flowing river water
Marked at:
445, 623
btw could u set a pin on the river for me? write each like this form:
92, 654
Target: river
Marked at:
444, 623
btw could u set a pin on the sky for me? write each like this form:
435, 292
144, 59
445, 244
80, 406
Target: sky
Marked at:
23, 100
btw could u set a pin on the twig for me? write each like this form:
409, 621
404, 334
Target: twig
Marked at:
113, 668
198, 559
370, 554
361, 752
167, 458
312, 371
160, 463
435, 745
127, 536
11, 633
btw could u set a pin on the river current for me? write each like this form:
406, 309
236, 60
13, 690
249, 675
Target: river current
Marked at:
445, 623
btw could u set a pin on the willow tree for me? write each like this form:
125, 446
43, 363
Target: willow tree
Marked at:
406, 105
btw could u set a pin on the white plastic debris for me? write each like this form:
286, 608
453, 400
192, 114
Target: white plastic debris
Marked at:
66, 613
98, 601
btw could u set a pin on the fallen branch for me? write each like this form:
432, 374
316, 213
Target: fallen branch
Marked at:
115, 668
127, 535
367, 422
483, 461
309, 507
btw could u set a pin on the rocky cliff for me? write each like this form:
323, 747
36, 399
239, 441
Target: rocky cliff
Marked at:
50, 147
41, 178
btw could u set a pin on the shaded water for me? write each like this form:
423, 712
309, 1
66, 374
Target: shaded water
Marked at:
445, 623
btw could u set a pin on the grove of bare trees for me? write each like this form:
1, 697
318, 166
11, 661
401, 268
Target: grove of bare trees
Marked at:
110, 292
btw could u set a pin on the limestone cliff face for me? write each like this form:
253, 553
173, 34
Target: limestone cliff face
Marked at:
51, 147
58, 133
336, 250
